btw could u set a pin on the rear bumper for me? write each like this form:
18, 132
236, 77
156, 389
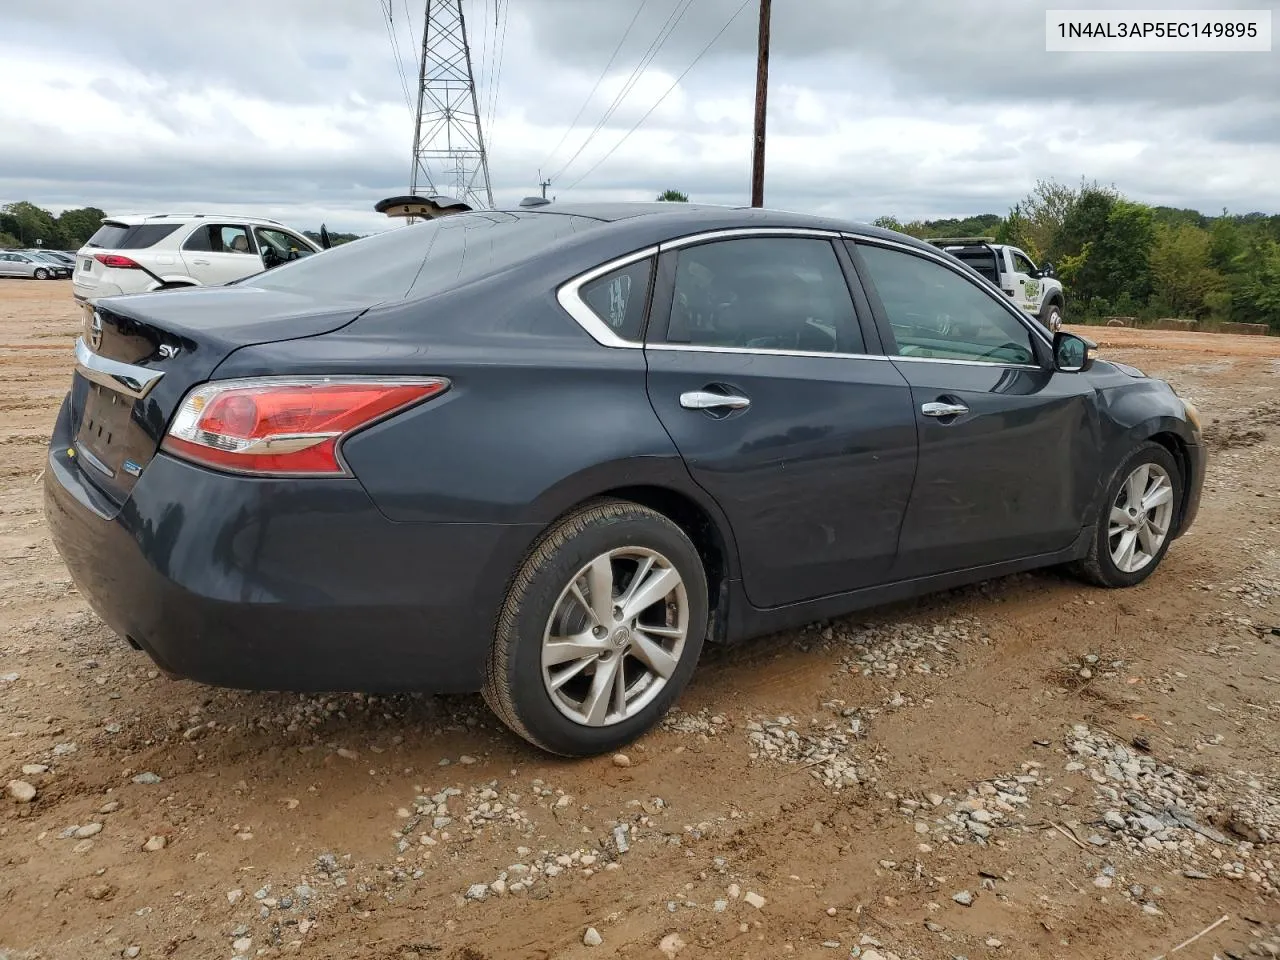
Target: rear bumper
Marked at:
1197, 461
281, 584
89, 294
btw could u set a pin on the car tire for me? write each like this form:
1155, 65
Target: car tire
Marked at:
41, 273
552, 596
1106, 564
1053, 318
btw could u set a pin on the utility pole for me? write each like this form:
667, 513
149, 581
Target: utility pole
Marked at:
543, 184
762, 96
447, 138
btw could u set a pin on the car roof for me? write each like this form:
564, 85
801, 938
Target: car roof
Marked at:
691, 217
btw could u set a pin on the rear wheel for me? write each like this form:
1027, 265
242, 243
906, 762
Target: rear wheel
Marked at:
1135, 525
600, 631
41, 273
1053, 318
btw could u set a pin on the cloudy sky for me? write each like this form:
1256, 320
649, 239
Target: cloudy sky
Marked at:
915, 108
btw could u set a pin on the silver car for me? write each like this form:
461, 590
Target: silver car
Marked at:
28, 265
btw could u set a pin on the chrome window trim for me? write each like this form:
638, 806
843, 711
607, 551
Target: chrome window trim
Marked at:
968, 363
124, 378
570, 299
765, 351
982, 283
736, 233
730, 233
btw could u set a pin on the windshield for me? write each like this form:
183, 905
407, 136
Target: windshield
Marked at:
423, 258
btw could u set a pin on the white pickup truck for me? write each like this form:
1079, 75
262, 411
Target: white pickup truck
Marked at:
1032, 288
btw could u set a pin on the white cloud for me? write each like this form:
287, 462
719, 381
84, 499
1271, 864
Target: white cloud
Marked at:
299, 113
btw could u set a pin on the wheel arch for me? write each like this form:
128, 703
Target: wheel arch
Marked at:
169, 283
1177, 447
1160, 430
700, 520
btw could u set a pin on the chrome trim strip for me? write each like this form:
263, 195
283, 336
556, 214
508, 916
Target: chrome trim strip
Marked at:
124, 378
697, 348
969, 363
93, 461
731, 232
980, 282
585, 317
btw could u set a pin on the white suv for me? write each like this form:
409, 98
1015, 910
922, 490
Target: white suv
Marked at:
136, 254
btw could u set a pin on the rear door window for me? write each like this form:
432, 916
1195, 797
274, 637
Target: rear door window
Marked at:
764, 293
219, 238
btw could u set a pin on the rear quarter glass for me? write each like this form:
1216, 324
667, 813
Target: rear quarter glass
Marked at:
119, 236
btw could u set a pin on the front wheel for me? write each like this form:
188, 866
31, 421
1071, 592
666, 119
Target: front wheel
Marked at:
600, 631
41, 273
1135, 525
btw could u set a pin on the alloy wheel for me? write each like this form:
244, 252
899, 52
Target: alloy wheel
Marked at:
1140, 517
615, 636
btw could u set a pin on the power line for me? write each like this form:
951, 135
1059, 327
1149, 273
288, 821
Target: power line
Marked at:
385, 5
675, 84
499, 56
664, 33
599, 80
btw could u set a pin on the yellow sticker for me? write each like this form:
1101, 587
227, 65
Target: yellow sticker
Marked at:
71, 451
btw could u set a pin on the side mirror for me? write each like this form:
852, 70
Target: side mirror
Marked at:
1072, 354
1046, 270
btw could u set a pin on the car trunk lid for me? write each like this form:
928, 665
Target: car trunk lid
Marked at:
138, 356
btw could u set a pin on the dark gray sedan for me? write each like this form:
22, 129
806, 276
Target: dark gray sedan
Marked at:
549, 452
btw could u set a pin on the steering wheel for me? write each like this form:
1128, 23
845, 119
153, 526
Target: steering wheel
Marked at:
270, 257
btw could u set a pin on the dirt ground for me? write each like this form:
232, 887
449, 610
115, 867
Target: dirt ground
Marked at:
1027, 768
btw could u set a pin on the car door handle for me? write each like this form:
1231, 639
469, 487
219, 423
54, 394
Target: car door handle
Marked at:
203, 263
939, 409
706, 400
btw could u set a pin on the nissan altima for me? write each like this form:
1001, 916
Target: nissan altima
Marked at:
549, 452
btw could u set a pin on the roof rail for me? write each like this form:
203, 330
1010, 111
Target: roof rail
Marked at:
939, 241
204, 216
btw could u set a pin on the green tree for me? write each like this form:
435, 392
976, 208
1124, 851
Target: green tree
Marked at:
1183, 278
1261, 286
673, 196
1084, 221
79, 225
30, 223
1122, 254
1016, 230
1043, 212
1226, 242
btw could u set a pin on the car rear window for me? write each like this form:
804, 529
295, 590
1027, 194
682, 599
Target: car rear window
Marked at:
983, 261
121, 236
423, 258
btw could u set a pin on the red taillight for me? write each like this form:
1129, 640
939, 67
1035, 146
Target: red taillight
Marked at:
117, 261
285, 426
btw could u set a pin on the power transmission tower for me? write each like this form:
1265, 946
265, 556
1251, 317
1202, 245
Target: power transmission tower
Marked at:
448, 145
